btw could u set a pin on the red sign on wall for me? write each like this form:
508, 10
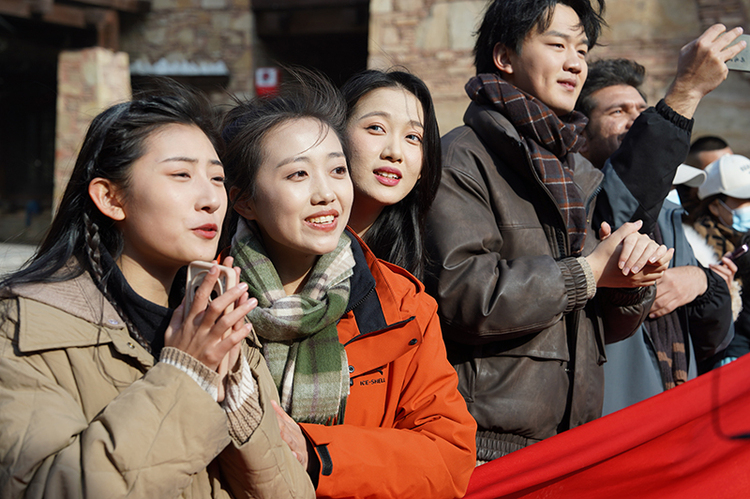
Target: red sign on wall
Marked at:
267, 81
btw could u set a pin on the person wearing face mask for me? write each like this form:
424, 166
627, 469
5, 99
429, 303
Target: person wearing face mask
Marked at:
721, 222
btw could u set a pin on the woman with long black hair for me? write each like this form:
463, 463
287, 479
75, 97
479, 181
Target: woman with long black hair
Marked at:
108, 388
394, 143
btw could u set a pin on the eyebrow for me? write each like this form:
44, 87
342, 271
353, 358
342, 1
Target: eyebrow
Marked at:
566, 36
386, 114
184, 159
619, 105
306, 159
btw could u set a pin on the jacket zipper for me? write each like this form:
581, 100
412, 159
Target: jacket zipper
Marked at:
360, 301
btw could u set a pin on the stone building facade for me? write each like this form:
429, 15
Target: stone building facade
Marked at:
196, 31
434, 39
431, 38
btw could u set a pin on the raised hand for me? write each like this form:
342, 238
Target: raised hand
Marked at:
702, 67
726, 270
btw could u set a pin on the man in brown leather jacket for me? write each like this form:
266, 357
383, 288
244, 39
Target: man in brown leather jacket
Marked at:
528, 294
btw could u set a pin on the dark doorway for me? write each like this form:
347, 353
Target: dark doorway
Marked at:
328, 35
28, 98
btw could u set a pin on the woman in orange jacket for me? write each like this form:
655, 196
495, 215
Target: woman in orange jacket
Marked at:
353, 343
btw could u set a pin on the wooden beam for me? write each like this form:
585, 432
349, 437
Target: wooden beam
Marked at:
41, 6
65, 15
311, 22
136, 6
107, 23
303, 4
15, 8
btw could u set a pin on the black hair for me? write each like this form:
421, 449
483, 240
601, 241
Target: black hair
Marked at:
608, 73
308, 94
397, 235
114, 141
507, 22
708, 143
702, 208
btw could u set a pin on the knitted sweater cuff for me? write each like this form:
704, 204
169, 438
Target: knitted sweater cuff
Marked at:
576, 282
590, 279
241, 403
208, 379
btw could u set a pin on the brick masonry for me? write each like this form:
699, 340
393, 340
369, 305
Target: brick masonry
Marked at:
89, 81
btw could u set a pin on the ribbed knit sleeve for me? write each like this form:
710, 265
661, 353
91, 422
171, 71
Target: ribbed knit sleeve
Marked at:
241, 403
579, 282
208, 379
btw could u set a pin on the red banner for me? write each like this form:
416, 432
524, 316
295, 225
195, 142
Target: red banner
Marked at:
690, 442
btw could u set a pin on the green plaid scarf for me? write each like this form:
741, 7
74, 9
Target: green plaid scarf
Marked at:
298, 332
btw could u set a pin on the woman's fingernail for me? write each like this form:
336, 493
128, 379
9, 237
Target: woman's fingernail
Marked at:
242, 286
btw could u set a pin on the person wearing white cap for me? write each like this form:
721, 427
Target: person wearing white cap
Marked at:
688, 176
690, 320
703, 151
721, 221
729, 176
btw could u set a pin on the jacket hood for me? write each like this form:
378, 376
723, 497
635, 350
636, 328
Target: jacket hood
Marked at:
78, 297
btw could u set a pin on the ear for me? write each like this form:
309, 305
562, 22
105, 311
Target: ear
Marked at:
585, 148
106, 196
503, 57
242, 204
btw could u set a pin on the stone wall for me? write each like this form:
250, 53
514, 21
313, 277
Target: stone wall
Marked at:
434, 39
199, 31
89, 81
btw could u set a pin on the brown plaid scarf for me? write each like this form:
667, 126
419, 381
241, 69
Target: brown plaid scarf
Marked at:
669, 341
549, 140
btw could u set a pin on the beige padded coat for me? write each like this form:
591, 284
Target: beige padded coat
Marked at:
84, 412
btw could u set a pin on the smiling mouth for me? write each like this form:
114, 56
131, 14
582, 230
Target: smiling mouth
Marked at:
322, 220
387, 175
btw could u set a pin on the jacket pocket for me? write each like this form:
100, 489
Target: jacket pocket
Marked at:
520, 395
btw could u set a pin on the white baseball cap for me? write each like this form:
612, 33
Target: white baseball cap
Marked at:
728, 175
689, 176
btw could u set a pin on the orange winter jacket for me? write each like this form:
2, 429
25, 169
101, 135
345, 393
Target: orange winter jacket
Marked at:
407, 432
